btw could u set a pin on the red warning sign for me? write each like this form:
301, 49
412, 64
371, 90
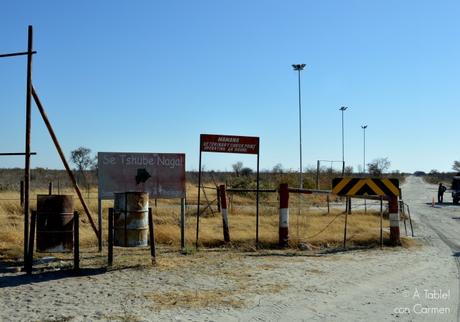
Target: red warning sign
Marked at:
229, 144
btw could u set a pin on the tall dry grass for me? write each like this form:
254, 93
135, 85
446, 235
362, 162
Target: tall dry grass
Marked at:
311, 225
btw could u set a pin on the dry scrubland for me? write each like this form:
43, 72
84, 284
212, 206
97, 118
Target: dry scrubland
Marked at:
313, 228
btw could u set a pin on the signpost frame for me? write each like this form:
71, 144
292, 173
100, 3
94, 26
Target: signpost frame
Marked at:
228, 144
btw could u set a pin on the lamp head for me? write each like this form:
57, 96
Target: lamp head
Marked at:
343, 108
298, 66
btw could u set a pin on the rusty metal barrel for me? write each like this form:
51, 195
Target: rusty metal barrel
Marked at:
55, 223
131, 225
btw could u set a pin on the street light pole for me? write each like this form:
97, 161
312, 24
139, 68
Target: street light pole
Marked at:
299, 68
364, 127
343, 109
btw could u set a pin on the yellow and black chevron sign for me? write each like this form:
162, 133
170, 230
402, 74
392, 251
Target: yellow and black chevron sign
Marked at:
365, 187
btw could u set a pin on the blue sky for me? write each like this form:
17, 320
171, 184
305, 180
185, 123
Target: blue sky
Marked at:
150, 76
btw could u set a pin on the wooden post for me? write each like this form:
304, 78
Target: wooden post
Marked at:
30, 255
317, 174
21, 193
394, 221
218, 199
152, 237
110, 237
381, 222
182, 225
223, 202
28, 143
328, 205
76, 241
50, 188
284, 215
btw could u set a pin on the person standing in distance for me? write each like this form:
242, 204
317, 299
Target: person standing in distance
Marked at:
441, 190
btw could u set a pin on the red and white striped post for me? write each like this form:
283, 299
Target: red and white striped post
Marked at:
284, 215
393, 210
224, 211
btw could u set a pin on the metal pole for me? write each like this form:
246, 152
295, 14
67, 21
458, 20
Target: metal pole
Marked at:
28, 137
300, 132
257, 202
345, 231
364, 127
343, 145
364, 154
182, 225
198, 205
410, 221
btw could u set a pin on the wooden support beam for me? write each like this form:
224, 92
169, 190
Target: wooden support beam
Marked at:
64, 161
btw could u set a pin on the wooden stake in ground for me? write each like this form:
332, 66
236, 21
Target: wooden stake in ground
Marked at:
76, 242
284, 215
30, 255
224, 210
152, 237
110, 241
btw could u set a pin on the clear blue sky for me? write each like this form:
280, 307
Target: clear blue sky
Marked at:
150, 76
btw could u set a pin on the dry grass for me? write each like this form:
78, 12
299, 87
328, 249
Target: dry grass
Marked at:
195, 299
316, 228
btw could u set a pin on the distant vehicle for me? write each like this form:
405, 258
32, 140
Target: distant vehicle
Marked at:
456, 189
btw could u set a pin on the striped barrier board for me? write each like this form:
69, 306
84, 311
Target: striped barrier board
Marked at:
365, 187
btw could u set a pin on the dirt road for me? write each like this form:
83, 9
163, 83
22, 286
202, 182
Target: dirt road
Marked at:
416, 284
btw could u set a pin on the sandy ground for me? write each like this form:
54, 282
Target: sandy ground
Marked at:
416, 284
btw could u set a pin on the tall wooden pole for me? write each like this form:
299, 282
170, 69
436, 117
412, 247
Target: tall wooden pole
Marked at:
27, 150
